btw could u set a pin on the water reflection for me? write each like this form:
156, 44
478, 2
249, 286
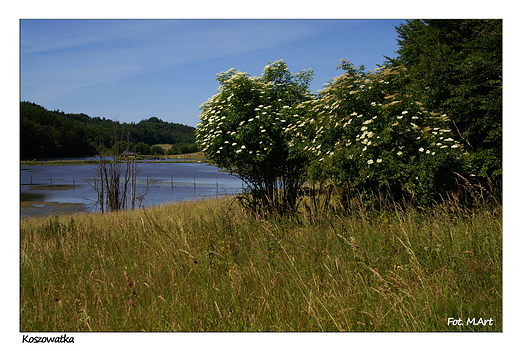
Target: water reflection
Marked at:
56, 189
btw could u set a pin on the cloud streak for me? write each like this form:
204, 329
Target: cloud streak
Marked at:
60, 56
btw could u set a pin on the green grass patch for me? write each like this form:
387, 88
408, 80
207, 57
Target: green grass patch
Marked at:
210, 266
190, 157
165, 147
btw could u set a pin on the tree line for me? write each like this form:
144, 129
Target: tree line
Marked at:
45, 133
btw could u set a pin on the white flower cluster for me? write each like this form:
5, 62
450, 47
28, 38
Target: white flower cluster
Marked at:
336, 120
354, 117
228, 128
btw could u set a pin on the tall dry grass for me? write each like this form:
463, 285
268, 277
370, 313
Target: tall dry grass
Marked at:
210, 266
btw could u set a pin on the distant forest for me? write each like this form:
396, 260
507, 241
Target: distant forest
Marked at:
52, 134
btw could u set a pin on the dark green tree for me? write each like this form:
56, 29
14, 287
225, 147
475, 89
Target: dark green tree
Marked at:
57, 134
455, 67
142, 148
182, 148
156, 150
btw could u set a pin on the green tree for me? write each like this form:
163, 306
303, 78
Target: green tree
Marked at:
455, 67
51, 134
55, 134
244, 128
182, 148
156, 150
142, 148
363, 132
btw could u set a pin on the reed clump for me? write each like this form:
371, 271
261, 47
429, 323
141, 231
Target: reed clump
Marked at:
208, 265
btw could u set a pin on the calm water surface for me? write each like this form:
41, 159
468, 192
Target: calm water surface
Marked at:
57, 189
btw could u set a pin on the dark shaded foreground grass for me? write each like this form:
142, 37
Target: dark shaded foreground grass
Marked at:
210, 266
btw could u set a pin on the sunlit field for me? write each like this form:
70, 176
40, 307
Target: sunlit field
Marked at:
209, 265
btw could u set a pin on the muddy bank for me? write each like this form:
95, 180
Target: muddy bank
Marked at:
39, 208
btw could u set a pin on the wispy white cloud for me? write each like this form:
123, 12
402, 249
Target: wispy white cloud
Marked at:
60, 56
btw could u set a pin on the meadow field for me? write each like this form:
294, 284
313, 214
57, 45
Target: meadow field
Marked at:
209, 265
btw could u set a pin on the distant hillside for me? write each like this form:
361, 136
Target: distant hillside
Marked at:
46, 133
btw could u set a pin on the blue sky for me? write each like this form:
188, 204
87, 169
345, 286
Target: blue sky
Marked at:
131, 70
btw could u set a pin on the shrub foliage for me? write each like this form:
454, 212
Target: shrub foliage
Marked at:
413, 128
362, 132
244, 128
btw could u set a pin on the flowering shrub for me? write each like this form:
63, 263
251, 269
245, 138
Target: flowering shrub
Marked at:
362, 133
244, 128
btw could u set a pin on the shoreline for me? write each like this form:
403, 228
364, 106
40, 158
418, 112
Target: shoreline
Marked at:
93, 162
196, 157
67, 209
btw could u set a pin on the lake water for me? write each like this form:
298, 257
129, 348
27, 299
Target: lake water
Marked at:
58, 189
